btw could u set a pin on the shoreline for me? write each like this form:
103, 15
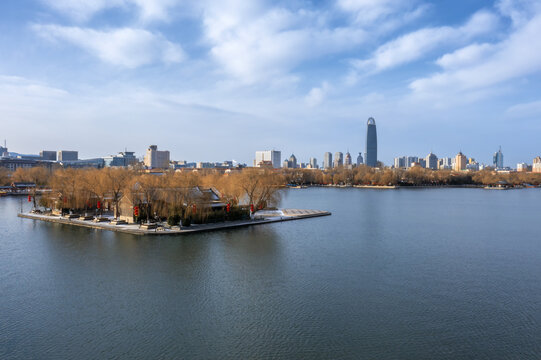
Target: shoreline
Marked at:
384, 187
267, 217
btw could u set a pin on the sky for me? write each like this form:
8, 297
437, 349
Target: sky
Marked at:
218, 80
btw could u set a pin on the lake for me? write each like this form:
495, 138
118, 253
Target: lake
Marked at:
392, 274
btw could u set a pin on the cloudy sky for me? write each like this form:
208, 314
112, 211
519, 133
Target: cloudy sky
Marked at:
216, 80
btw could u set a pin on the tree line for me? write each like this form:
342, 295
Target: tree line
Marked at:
83, 188
416, 176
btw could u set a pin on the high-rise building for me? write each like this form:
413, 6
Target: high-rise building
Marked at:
291, 163
313, 163
431, 161
156, 159
360, 159
347, 159
327, 160
536, 165
411, 160
523, 167
497, 159
4, 150
275, 157
65, 155
460, 162
400, 162
371, 155
338, 159
47, 155
445, 163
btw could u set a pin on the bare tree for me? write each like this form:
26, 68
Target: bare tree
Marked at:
259, 186
146, 189
39, 176
4, 176
116, 180
65, 184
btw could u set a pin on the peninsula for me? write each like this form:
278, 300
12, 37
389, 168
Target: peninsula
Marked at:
139, 202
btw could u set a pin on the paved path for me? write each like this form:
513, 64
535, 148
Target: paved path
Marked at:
260, 217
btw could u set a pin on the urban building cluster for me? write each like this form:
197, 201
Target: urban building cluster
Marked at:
160, 160
63, 158
153, 159
461, 162
272, 158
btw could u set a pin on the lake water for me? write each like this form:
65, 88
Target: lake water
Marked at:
392, 274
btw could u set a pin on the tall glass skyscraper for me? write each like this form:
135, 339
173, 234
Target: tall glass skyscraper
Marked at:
371, 154
338, 159
497, 159
327, 160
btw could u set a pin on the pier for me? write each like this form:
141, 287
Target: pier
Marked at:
259, 218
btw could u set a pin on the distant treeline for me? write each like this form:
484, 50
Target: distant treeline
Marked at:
416, 176
249, 182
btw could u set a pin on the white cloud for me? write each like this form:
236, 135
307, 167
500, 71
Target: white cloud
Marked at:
368, 12
251, 42
381, 17
417, 44
255, 40
465, 56
317, 95
83, 10
24, 87
519, 11
530, 109
155, 10
125, 47
480, 23
518, 55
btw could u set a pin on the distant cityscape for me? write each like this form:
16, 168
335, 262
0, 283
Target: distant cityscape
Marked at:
155, 159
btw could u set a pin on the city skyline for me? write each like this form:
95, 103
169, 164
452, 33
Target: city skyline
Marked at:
124, 158
300, 77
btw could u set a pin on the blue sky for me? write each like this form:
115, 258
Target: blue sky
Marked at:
216, 80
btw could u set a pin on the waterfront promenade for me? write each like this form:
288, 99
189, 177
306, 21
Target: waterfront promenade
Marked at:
259, 218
